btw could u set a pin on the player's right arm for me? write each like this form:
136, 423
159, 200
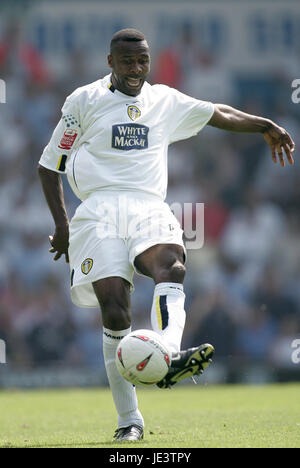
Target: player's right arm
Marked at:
52, 164
53, 191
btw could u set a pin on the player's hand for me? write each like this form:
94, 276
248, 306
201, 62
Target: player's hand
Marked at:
60, 242
280, 143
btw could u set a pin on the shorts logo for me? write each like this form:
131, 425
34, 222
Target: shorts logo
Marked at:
68, 139
130, 136
133, 112
86, 266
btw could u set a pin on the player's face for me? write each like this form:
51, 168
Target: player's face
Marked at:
130, 64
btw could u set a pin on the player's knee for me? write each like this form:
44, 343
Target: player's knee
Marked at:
177, 272
173, 273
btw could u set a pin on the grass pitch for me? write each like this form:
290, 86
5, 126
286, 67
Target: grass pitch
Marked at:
186, 416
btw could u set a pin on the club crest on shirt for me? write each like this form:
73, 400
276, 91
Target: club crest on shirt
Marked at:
86, 266
133, 112
130, 136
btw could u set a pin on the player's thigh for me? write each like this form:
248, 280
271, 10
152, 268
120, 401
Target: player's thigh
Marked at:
96, 250
162, 262
113, 294
157, 249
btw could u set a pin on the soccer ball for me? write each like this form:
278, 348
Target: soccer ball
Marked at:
142, 358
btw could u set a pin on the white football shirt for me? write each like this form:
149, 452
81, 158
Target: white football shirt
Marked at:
107, 140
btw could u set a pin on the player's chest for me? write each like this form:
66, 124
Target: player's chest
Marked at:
126, 125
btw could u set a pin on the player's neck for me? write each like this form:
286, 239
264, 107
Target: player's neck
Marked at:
115, 86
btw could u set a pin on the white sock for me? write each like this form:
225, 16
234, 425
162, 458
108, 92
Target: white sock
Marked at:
168, 314
123, 392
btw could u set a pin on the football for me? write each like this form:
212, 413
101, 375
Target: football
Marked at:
142, 358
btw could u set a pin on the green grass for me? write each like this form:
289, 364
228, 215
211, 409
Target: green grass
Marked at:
186, 416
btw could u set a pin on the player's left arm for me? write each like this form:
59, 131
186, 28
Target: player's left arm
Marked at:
234, 120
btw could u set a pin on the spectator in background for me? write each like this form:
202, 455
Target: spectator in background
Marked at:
251, 233
177, 61
272, 295
40, 108
167, 69
215, 215
21, 59
287, 259
255, 337
202, 73
215, 322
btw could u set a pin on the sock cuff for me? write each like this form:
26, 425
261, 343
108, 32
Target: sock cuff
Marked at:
169, 288
114, 336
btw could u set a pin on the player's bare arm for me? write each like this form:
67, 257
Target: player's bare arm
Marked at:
278, 139
53, 190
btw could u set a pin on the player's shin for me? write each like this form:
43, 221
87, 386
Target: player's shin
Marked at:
168, 314
123, 392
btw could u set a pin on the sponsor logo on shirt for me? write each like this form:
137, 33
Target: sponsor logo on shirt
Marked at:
68, 139
129, 136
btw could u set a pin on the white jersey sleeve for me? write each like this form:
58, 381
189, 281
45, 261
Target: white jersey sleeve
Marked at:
189, 116
64, 139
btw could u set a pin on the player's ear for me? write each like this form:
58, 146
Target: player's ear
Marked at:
109, 60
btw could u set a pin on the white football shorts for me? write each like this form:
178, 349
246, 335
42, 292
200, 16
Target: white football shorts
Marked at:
108, 231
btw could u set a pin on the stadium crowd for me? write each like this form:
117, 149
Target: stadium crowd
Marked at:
242, 286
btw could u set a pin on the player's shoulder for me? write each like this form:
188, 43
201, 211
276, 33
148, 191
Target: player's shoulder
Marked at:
165, 93
162, 89
90, 91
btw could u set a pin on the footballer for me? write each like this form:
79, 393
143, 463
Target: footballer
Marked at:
112, 143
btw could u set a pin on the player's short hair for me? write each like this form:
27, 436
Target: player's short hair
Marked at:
127, 35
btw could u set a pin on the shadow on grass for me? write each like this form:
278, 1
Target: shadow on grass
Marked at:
107, 444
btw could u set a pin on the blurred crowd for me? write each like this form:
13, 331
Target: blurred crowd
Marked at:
242, 288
